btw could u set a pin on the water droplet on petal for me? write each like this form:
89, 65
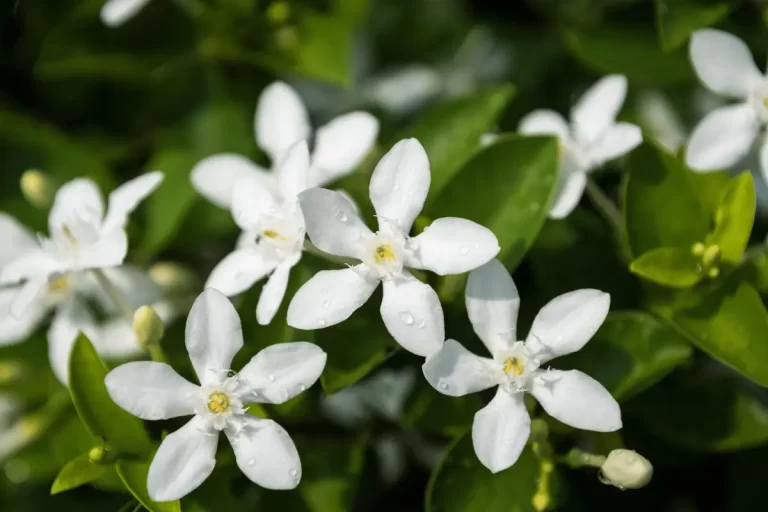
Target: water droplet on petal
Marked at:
421, 324
271, 378
407, 318
293, 472
443, 385
341, 216
464, 249
302, 387
397, 187
326, 303
251, 462
323, 290
322, 323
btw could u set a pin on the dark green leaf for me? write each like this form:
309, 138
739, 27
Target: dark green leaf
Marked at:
77, 472
734, 218
668, 266
134, 476
676, 20
101, 416
325, 48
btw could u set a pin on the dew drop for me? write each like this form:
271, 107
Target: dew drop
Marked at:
326, 303
397, 187
322, 323
271, 378
443, 385
464, 249
341, 216
302, 387
407, 318
251, 462
293, 472
323, 290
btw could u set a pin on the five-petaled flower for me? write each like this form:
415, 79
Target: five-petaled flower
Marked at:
50, 273
725, 66
411, 309
593, 138
263, 449
500, 430
264, 204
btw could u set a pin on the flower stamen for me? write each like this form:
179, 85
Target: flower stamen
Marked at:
384, 253
515, 366
218, 403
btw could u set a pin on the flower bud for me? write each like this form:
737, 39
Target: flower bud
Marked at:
148, 326
37, 188
96, 454
626, 469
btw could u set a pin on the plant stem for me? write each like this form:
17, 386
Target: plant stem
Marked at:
610, 213
114, 294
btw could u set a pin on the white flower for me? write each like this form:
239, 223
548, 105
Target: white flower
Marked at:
411, 309
725, 66
117, 12
593, 138
44, 274
501, 429
263, 449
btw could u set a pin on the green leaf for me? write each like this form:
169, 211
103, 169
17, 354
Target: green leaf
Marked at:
134, 476
77, 472
630, 352
668, 266
431, 412
461, 484
665, 204
101, 416
676, 20
734, 218
325, 48
730, 324
629, 52
450, 132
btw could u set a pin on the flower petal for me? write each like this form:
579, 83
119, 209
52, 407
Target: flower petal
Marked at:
116, 339
332, 223
273, 292
399, 185
133, 284
117, 12
617, 140
70, 319
17, 240
500, 431
125, 198
567, 323
239, 270
214, 177
453, 246
183, 461
31, 265
252, 201
764, 160
28, 296
282, 371
330, 297
412, 314
577, 400
492, 306
265, 453
544, 122
281, 120
108, 251
342, 144
292, 171
724, 63
13, 329
722, 138
455, 371
79, 198
571, 188
213, 335
151, 391
597, 108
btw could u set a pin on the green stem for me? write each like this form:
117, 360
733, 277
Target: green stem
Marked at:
115, 296
577, 459
610, 213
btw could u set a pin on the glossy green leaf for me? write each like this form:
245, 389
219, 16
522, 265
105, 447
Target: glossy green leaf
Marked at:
427, 410
134, 476
450, 132
461, 484
629, 52
325, 48
676, 20
77, 472
630, 352
668, 266
101, 416
734, 218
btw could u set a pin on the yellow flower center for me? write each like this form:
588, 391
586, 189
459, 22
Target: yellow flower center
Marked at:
59, 284
270, 234
515, 366
384, 253
765, 102
218, 403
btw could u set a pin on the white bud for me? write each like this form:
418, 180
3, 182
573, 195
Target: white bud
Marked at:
148, 326
626, 469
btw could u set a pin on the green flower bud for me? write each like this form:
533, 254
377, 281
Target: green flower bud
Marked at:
37, 188
149, 328
626, 469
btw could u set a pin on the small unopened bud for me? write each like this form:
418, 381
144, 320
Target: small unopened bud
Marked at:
626, 469
96, 454
711, 255
148, 326
37, 188
698, 249
173, 277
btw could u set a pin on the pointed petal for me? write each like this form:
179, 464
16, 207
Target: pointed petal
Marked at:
329, 298
492, 306
577, 400
413, 315
282, 371
722, 138
544, 122
116, 339
183, 461
117, 12
292, 171
567, 323
342, 144
79, 198
13, 329
214, 177
108, 251
17, 240
568, 196
265, 453
70, 319
213, 335
597, 108
453, 246
133, 284
151, 391
455, 371
764, 160
239, 270
399, 185
273, 292
252, 202
724, 63
28, 296
281, 120
332, 223
616, 141
124, 199
500, 431
31, 265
